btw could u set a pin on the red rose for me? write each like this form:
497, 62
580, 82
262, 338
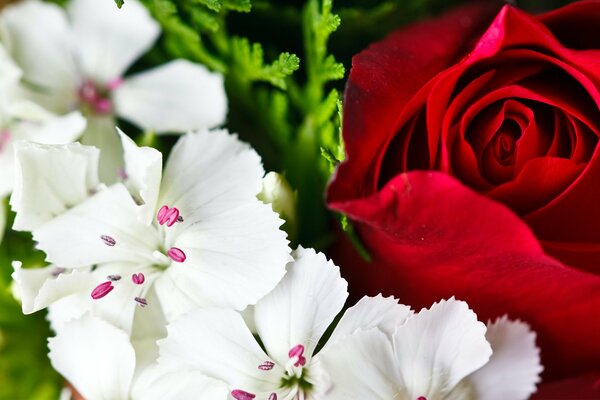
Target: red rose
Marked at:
473, 169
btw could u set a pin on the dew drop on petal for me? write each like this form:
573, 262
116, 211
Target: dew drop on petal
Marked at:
241, 395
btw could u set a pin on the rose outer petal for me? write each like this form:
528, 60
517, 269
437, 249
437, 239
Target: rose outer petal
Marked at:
431, 237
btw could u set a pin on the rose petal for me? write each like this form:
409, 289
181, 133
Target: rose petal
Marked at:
431, 237
585, 387
417, 53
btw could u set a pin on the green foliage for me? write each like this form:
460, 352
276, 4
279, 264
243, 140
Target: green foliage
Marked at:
250, 64
119, 3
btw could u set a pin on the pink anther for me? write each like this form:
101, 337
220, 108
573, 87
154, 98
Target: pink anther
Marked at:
102, 290
176, 254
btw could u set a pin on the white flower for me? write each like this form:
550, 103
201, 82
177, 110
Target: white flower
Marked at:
438, 354
290, 321
77, 59
22, 119
278, 192
155, 246
99, 361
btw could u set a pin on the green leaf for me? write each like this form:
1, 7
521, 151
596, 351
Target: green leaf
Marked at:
119, 3
214, 5
249, 59
238, 5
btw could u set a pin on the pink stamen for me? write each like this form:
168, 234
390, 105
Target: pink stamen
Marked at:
421, 398
298, 353
241, 395
141, 301
102, 106
102, 290
88, 92
167, 215
273, 396
97, 99
114, 278
114, 83
266, 366
4, 138
176, 254
121, 173
108, 240
138, 279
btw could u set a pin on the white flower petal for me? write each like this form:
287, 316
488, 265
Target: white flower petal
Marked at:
371, 312
101, 132
49, 128
49, 180
217, 343
514, 368
95, 357
40, 287
10, 74
302, 305
143, 171
158, 384
233, 259
108, 39
68, 296
82, 236
228, 173
436, 348
360, 366
37, 36
42, 127
194, 97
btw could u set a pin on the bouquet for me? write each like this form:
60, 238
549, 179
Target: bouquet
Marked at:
280, 200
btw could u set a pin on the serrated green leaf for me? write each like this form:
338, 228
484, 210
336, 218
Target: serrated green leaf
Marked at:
214, 5
238, 5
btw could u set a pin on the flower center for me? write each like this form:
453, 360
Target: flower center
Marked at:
96, 98
505, 142
166, 216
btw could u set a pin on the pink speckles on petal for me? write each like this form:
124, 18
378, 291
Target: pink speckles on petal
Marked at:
266, 366
4, 138
138, 279
297, 352
114, 83
167, 215
273, 396
176, 254
241, 395
108, 240
102, 290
